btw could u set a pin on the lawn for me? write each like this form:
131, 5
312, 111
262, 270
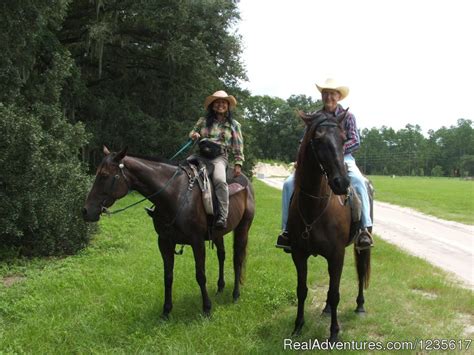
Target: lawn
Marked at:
446, 198
108, 299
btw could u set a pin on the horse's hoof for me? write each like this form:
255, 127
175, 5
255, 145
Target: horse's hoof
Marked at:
297, 330
360, 311
235, 296
165, 316
326, 311
333, 339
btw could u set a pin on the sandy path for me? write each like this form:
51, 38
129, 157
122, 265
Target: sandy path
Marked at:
446, 244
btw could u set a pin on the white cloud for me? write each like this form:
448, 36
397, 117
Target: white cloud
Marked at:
404, 61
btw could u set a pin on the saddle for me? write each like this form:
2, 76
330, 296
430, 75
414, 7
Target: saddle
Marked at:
355, 203
201, 170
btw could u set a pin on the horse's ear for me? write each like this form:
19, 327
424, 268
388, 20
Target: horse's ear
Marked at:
105, 150
342, 116
304, 116
120, 155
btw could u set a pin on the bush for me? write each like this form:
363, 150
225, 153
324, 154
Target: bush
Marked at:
42, 183
437, 171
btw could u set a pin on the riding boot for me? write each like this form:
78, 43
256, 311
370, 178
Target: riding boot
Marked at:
364, 240
222, 194
221, 222
283, 242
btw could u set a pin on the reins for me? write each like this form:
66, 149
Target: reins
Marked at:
121, 166
177, 172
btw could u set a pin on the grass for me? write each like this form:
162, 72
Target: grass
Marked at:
108, 299
447, 198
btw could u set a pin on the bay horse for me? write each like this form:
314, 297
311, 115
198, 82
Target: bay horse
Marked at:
319, 221
179, 216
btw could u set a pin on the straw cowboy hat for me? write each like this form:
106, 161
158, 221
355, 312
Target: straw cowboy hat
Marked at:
334, 85
221, 94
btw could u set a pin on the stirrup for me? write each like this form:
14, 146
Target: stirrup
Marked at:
357, 237
283, 242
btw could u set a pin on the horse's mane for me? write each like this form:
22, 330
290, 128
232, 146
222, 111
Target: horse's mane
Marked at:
154, 159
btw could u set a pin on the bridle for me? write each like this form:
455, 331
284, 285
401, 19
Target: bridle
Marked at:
104, 209
322, 121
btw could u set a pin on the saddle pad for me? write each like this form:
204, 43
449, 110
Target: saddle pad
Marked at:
234, 188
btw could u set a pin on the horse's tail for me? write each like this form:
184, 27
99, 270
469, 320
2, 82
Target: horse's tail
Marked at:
362, 258
241, 234
240, 250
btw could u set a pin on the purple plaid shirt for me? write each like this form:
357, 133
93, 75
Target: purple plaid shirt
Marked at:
352, 142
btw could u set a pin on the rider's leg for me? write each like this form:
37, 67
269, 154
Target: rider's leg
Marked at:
288, 188
364, 238
222, 190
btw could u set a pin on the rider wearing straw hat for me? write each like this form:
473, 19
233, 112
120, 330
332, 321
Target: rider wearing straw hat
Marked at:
218, 127
331, 93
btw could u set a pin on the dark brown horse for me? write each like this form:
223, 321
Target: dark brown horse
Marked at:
179, 217
319, 221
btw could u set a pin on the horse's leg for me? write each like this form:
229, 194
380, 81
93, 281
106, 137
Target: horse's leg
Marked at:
301, 263
327, 307
240, 250
219, 242
199, 250
335, 264
167, 253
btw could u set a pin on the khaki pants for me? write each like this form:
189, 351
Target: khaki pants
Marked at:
220, 184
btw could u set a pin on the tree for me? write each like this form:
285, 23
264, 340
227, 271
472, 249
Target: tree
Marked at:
42, 183
143, 69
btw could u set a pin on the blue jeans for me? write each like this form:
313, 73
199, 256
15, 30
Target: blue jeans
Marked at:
357, 180
288, 188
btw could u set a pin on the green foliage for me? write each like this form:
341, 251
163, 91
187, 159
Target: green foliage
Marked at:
445, 152
42, 182
144, 68
275, 126
437, 171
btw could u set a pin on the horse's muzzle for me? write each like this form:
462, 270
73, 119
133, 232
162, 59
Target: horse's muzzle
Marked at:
90, 216
339, 185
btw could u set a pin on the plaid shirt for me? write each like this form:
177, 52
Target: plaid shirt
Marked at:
352, 142
224, 134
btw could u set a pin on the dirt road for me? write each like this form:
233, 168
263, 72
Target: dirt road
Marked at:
446, 244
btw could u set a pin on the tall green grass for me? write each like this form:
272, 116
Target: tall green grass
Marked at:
446, 198
108, 299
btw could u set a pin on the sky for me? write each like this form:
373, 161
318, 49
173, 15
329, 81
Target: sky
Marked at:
404, 61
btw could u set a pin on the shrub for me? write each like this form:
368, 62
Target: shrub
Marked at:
42, 183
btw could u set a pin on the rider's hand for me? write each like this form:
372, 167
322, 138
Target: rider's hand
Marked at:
195, 136
237, 170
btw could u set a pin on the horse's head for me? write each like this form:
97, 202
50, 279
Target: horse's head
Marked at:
110, 184
324, 139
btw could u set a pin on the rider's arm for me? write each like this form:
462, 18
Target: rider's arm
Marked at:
197, 128
352, 142
238, 144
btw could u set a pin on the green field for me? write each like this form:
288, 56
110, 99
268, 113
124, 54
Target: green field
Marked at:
446, 198
108, 299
